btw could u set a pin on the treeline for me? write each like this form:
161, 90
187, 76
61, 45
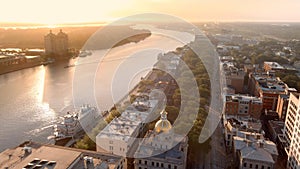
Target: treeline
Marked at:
290, 78
78, 36
201, 76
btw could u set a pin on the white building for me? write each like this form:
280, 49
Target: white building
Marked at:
119, 135
292, 131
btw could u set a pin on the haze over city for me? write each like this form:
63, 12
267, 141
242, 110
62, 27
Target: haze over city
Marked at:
150, 84
52, 12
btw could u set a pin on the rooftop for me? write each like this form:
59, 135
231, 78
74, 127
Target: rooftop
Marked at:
147, 149
242, 124
51, 156
269, 83
259, 150
239, 97
274, 65
123, 127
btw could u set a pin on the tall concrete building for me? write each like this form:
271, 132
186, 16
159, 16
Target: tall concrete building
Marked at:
282, 104
56, 44
49, 42
292, 131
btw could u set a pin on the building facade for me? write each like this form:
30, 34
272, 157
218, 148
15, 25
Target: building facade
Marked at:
243, 105
162, 148
292, 131
254, 153
234, 77
282, 105
56, 44
119, 136
268, 88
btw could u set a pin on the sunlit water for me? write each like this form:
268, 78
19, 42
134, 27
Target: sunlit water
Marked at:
33, 99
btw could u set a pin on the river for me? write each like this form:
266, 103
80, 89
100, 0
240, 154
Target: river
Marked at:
33, 99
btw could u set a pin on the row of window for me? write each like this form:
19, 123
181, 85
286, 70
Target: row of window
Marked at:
157, 164
256, 166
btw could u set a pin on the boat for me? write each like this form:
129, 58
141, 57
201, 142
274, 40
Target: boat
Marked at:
49, 61
69, 66
84, 53
75, 123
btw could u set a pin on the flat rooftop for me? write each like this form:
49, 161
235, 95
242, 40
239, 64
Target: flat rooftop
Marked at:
239, 97
274, 65
51, 156
243, 123
123, 127
269, 83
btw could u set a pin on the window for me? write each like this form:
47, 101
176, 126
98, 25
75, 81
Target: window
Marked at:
256, 166
140, 161
245, 164
250, 165
157, 164
162, 165
152, 163
111, 148
111, 142
145, 162
169, 166
175, 167
262, 167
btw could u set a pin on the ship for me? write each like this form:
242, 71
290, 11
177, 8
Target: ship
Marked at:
74, 124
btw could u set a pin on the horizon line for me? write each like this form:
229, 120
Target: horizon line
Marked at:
101, 23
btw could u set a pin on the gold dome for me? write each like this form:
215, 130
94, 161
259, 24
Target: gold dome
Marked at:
163, 125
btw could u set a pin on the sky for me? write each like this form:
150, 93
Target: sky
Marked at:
53, 12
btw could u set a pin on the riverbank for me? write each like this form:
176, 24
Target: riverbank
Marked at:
15, 67
11, 68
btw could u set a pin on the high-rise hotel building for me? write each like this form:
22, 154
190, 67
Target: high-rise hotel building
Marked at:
56, 44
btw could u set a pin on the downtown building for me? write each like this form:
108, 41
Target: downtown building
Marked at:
234, 77
268, 88
35, 155
273, 66
292, 131
243, 105
250, 152
162, 148
56, 44
119, 136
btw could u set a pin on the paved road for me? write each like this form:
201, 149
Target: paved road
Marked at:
216, 158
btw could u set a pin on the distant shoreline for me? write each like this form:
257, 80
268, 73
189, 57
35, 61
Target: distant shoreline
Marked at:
11, 68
